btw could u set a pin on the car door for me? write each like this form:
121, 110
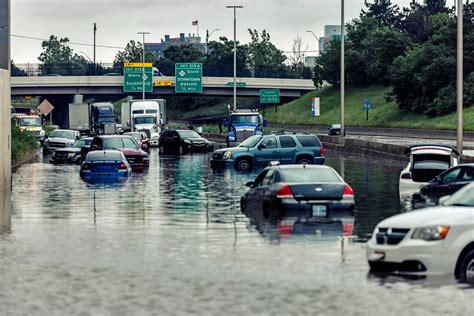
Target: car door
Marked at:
437, 189
165, 139
287, 149
251, 195
267, 150
465, 176
261, 193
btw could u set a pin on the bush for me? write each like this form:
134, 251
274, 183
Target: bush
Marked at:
22, 144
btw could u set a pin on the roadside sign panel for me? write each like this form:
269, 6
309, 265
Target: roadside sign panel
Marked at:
163, 83
237, 84
188, 78
45, 107
315, 106
269, 96
133, 77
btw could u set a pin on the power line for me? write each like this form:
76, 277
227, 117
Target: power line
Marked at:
71, 43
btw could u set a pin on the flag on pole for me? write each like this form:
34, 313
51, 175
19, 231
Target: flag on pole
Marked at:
195, 23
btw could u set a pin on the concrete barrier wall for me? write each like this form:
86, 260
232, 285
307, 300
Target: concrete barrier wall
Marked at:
5, 132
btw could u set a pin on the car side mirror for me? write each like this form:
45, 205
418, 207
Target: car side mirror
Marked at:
261, 146
443, 199
265, 122
249, 184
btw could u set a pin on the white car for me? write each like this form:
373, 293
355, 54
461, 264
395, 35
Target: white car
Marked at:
437, 240
426, 162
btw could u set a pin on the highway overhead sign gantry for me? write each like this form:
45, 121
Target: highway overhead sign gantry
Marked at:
188, 78
269, 96
133, 77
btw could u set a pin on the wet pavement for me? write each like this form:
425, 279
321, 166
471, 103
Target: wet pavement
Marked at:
172, 240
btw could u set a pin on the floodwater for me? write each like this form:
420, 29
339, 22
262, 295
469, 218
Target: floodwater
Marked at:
172, 240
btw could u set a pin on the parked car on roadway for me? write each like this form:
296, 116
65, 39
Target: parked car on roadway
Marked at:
426, 162
299, 193
183, 141
334, 130
105, 163
136, 157
70, 154
60, 138
142, 139
436, 240
447, 183
287, 148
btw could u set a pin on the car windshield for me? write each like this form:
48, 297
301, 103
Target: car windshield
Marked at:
314, 175
251, 141
145, 120
134, 135
245, 119
463, 197
188, 134
62, 134
82, 143
104, 156
30, 121
106, 119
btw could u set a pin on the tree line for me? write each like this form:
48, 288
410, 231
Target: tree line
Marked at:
412, 49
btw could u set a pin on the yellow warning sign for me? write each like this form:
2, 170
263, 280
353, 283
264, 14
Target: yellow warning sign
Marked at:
138, 64
163, 83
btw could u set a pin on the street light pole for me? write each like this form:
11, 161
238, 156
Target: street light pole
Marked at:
343, 132
459, 79
208, 35
317, 38
95, 30
143, 64
235, 7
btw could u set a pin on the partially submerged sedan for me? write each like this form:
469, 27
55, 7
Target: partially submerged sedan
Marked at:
437, 240
105, 163
293, 194
70, 154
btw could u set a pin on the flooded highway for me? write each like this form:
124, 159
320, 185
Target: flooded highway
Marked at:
172, 240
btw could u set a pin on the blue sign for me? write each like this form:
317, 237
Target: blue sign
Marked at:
367, 104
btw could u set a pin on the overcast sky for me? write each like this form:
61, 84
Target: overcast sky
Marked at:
118, 21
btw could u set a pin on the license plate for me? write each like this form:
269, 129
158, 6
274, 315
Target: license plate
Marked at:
319, 211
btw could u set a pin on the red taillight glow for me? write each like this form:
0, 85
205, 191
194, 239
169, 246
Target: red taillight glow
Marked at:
285, 229
86, 166
348, 192
347, 229
123, 166
285, 193
406, 176
321, 150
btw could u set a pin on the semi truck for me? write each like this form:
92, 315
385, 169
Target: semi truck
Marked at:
243, 123
92, 119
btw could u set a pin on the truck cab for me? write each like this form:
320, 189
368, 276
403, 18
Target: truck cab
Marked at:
102, 118
241, 124
149, 116
32, 124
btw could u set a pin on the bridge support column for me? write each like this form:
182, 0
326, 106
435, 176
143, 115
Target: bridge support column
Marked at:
5, 103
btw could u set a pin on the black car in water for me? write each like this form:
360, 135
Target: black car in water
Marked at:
183, 141
295, 194
70, 154
447, 183
334, 130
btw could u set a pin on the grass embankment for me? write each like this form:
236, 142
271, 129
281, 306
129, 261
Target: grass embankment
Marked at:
23, 145
383, 113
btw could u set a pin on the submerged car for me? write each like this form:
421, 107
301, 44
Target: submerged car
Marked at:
183, 141
136, 157
436, 240
426, 162
60, 138
299, 193
334, 130
105, 163
286, 148
70, 154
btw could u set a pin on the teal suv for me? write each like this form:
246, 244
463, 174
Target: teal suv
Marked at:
286, 148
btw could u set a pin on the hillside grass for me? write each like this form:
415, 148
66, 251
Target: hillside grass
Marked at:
384, 112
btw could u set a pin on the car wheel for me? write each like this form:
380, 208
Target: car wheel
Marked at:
303, 161
244, 165
467, 267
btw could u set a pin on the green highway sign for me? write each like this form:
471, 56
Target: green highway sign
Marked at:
239, 84
133, 77
269, 96
188, 78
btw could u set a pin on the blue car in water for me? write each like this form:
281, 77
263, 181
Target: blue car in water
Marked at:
105, 164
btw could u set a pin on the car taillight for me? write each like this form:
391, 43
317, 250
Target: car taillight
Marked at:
86, 166
347, 229
123, 166
406, 176
348, 192
321, 150
284, 193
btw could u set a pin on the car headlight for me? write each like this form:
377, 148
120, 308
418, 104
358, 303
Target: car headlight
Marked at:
430, 233
71, 155
227, 155
187, 141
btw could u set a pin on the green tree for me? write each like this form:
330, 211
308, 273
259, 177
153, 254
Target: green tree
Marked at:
265, 60
384, 12
220, 59
179, 54
328, 65
132, 53
15, 71
58, 58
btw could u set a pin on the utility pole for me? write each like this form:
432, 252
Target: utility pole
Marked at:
95, 31
143, 64
235, 7
343, 81
459, 79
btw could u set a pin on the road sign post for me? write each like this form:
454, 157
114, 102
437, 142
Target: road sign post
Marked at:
367, 107
188, 78
133, 77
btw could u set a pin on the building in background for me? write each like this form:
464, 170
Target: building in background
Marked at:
310, 61
332, 33
158, 48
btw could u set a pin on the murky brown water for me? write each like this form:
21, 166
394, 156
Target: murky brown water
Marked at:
173, 241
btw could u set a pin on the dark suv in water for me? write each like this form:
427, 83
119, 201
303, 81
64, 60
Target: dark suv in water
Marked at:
287, 148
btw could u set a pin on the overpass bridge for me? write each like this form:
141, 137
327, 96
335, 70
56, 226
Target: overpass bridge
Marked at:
113, 85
